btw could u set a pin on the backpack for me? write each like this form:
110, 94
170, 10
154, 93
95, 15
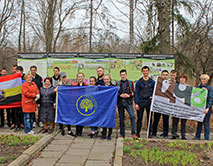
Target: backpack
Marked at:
129, 84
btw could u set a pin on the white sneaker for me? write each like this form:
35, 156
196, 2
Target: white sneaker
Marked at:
34, 124
41, 124
31, 132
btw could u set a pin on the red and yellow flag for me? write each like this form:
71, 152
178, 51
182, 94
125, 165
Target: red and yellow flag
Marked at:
10, 91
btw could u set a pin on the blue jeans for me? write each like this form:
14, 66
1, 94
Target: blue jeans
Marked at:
28, 122
129, 108
206, 126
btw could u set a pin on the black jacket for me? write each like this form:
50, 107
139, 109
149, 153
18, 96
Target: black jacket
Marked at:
38, 81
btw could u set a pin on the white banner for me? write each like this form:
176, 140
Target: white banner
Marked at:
178, 100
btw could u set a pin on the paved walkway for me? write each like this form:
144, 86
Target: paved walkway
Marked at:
81, 151
68, 151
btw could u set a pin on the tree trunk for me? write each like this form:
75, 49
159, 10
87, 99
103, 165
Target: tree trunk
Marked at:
24, 27
173, 27
20, 28
91, 23
149, 23
131, 26
163, 7
50, 25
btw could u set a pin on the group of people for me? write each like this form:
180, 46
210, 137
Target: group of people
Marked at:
38, 94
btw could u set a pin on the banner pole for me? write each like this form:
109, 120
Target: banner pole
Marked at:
150, 116
151, 108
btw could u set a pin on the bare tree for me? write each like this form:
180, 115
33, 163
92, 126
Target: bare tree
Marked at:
198, 46
21, 37
6, 15
131, 26
52, 14
91, 23
130, 19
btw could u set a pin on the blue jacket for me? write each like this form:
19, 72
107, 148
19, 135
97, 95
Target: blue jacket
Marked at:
210, 94
144, 90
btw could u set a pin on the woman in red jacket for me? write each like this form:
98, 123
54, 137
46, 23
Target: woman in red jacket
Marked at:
30, 94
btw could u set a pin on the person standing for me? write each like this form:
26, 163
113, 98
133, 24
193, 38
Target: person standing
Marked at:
56, 76
38, 81
80, 82
204, 85
12, 112
100, 73
19, 69
36, 78
173, 79
47, 105
19, 119
94, 130
64, 81
182, 85
30, 94
4, 73
164, 76
173, 76
107, 82
125, 95
143, 96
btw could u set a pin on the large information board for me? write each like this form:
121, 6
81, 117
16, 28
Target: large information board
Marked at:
72, 63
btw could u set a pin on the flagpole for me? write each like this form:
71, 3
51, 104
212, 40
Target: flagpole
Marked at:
150, 114
56, 104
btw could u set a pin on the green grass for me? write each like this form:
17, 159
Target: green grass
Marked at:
3, 160
12, 140
11, 157
175, 153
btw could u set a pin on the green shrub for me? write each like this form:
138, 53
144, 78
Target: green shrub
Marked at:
3, 160
11, 157
126, 149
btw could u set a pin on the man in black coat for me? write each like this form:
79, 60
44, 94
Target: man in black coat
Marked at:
38, 81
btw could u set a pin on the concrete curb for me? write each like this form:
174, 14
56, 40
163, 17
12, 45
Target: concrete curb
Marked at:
29, 153
118, 152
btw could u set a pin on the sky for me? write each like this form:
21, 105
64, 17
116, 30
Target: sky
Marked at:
114, 17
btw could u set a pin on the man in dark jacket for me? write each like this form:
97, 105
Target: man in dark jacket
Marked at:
100, 73
12, 111
143, 95
164, 76
56, 76
38, 81
19, 117
19, 69
36, 78
125, 95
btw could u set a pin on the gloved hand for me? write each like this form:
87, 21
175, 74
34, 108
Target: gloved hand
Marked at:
37, 97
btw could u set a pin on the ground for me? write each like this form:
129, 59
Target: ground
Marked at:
11, 146
166, 152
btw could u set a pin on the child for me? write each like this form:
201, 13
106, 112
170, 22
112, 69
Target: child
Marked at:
94, 130
107, 82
